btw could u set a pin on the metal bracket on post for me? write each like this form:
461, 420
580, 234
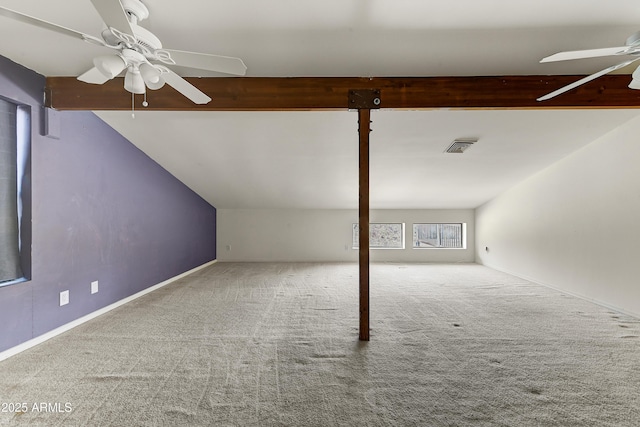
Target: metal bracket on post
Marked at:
364, 98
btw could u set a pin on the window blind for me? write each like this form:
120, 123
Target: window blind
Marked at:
9, 228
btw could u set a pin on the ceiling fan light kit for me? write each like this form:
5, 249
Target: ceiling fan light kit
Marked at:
138, 51
133, 82
635, 81
631, 47
110, 65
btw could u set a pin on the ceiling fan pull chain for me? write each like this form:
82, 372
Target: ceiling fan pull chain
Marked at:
133, 105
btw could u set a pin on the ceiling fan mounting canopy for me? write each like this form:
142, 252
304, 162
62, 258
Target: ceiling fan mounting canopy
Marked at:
140, 53
135, 8
634, 39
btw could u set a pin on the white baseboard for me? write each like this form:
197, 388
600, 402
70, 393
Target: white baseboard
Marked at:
64, 328
564, 291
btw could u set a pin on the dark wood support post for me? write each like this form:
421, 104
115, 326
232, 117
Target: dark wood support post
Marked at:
364, 100
364, 120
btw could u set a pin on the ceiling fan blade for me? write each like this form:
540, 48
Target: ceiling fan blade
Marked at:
184, 87
589, 53
113, 14
47, 25
93, 76
204, 61
586, 80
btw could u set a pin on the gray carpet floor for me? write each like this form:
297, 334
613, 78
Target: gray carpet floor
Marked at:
276, 344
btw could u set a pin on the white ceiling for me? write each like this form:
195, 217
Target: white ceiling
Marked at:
309, 159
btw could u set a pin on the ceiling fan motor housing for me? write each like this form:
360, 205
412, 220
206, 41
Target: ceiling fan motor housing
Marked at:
146, 38
136, 11
143, 37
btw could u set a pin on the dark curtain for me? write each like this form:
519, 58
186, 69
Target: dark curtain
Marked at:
9, 233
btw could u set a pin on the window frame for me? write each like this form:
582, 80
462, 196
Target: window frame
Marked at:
23, 127
463, 236
355, 228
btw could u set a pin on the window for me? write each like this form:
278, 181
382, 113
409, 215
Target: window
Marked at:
381, 236
14, 131
438, 236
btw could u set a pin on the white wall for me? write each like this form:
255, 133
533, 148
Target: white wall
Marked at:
576, 225
325, 235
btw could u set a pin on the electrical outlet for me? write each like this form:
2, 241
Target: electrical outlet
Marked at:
64, 298
94, 287
228, 248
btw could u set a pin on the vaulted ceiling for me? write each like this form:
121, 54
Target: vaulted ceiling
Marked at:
309, 159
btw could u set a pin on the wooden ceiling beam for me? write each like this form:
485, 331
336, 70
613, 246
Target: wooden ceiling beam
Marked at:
318, 93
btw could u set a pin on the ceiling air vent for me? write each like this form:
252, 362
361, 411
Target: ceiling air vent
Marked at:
460, 145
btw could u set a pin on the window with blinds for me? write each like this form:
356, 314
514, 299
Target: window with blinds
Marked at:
438, 236
10, 175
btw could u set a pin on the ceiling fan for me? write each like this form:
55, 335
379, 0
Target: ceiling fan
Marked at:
631, 47
137, 52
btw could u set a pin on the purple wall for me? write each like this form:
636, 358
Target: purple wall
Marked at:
101, 210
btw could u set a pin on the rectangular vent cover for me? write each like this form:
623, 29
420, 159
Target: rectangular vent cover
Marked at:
460, 145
